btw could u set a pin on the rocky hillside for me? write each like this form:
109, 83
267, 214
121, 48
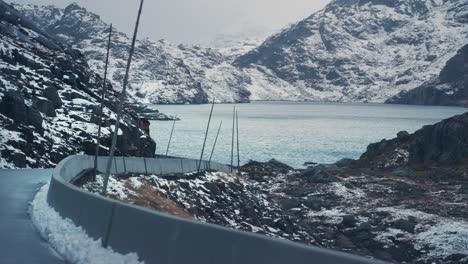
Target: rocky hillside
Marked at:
49, 100
365, 50
449, 88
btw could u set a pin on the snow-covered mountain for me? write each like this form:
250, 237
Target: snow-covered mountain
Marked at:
236, 44
365, 50
49, 100
449, 88
353, 50
162, 72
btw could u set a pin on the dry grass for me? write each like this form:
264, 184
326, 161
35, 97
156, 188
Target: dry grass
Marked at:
150, 198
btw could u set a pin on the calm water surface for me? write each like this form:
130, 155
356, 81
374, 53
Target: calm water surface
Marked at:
291, 132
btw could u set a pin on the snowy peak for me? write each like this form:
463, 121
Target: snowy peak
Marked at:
162, 72
356, 50
365, 50
74, 7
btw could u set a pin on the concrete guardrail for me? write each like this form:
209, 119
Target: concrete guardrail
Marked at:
165, 239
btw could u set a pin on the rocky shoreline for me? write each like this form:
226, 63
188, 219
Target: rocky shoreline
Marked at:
403, 201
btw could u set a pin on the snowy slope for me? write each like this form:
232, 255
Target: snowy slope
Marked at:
49, 100
449, 88
365, 50
162, 72
353, 50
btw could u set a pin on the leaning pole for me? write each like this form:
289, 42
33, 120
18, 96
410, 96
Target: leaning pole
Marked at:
121, 101
101, 110
206, 135
216, 140
232, 143
237, 133
170, 137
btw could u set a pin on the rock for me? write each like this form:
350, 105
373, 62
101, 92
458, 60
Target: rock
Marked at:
19, 159
457, 258
407, 225
344, 162
52, 94
44, 106
290, 203
403, 172
349, 221
12, 105
261, 171
406, 189
403, 135
35, 118
318, 174
316, 204
344, 242
443, 144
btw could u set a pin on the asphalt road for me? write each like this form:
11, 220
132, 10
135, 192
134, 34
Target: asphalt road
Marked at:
19, 240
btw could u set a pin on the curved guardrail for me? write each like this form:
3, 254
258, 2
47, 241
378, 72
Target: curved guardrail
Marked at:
166, 239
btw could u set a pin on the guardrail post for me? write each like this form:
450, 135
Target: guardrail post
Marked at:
125, 165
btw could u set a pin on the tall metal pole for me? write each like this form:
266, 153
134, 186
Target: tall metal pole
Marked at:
206, 135
103, 96
232, 144
216, 140
170, 137
122, 99
237, 132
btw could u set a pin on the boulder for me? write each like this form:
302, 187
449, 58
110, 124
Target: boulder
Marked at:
45, 106
318, 174
52, 94
403, 135
12, 105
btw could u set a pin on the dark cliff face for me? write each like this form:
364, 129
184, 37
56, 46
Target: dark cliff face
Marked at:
449, 88
442, 144
49, 100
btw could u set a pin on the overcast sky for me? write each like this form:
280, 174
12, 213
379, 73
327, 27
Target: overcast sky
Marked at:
195, 21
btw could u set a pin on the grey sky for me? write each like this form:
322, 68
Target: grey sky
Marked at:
194, 21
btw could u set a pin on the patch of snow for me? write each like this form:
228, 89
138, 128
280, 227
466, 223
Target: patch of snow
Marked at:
69, 240
445, 238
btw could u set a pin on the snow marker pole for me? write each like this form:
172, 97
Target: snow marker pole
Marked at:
232, 143
120, 106
103, 95
206, 135
170, 137
216, 140
237, 132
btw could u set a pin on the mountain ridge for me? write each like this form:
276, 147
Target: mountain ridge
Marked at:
351, 51
365, 50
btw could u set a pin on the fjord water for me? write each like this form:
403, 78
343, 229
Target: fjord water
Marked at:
293, 133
